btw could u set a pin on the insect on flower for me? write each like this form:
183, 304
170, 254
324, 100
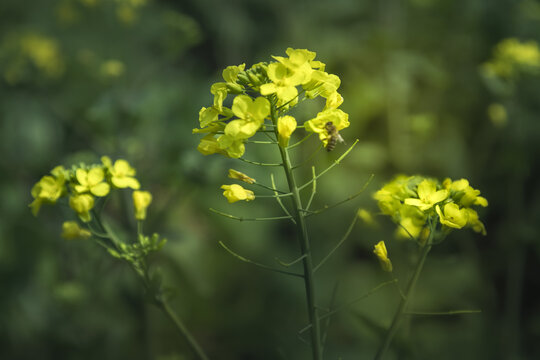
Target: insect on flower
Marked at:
333, 136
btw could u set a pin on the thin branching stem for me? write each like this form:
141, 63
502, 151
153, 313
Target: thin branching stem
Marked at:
279, 200
299, 142
259, 163
284, 264
271, 188
248, 219
350, 303
159, 301
308, 158
313, 188
408, 292
327, 207
336, 162
305, 248
249, 261
331, 252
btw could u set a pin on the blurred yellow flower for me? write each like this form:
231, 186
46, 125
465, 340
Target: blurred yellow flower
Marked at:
71, 230
82, 204
91, 181
452, 216
427, 195
141, 201
382, 254
122, 174
236, 192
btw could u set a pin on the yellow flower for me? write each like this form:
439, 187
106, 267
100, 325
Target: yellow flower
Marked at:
141, 200
382, 254
251, 115
366, 217
233, 174
236, 192
474, 222
71, 230
122, 174
333, 101
48, 189
317, 125
452, 216
92, 181
427, 195
82, 204
321, 84
285, 127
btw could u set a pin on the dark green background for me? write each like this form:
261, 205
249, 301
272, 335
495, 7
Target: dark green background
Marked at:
417, 102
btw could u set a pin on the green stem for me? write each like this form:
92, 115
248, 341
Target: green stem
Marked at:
164, 306
404, 300
304, 247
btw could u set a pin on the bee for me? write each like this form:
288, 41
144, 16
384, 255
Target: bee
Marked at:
334, 136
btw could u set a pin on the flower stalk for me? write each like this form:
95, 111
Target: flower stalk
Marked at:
405, 299
305, 247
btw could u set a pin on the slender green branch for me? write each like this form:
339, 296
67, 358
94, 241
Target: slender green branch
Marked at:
355, 219
350, 303
279, 200
183, 330
259, 163
308, 158
441, 313
266, 267
305, 249
248, 219
313, 188
260, 142
327, 322
271, 188
327, 207
284, 264
403, 303
142, 272
299, 142
336, 162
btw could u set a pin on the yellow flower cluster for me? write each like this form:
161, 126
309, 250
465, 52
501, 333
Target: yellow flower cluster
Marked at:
82, 184
512, 56
412, 200
259, 89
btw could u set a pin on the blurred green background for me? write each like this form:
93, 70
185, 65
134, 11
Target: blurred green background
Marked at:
428, 90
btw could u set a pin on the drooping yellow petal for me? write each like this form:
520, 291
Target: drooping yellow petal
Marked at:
382, 255
237, 175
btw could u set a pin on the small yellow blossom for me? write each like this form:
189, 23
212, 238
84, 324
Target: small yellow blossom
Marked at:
82, 204
366, 217
427, 195
382, 254
452, 216
251, 115
474, 222
285, 127
234, 174
71, 230
48, 189
91, 181
317, 125
122, 174
236, 192
141, 201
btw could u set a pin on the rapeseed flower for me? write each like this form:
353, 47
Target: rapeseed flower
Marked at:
236, 192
